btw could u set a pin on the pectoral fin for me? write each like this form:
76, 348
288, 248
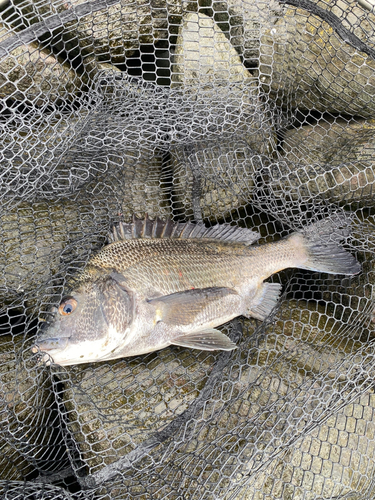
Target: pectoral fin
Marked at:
206, 340
197, 306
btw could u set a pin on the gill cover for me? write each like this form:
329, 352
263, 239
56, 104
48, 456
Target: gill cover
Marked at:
116, 302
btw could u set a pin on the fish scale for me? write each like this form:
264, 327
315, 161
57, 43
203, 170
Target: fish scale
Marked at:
144, 263
167, 275
164, 283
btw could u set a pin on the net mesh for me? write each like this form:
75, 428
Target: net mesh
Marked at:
252, 112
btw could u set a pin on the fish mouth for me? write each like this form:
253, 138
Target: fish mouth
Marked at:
50, 346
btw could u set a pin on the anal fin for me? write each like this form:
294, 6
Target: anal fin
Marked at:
205, 340
264, 300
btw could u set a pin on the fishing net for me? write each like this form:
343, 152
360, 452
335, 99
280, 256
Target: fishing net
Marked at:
256, 113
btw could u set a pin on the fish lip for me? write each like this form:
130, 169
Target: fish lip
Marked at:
50, 344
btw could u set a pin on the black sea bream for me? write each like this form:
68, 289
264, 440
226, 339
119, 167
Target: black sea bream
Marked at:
161, 283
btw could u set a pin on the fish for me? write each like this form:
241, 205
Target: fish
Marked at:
161, 283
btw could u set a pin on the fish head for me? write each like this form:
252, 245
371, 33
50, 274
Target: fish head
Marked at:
89, 324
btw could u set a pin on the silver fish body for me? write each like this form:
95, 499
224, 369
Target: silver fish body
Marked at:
163, 283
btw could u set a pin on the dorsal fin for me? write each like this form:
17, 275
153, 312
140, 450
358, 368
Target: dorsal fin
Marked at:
147, 228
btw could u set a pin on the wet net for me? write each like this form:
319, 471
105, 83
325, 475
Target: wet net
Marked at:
256, 113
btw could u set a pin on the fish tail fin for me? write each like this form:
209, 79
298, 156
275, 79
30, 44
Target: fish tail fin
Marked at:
321, 248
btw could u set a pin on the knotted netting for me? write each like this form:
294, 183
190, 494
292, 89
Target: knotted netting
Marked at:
256, 113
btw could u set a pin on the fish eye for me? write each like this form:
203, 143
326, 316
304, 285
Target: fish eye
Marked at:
67, 306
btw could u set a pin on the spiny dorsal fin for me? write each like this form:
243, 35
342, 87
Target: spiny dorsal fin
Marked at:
147, 228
